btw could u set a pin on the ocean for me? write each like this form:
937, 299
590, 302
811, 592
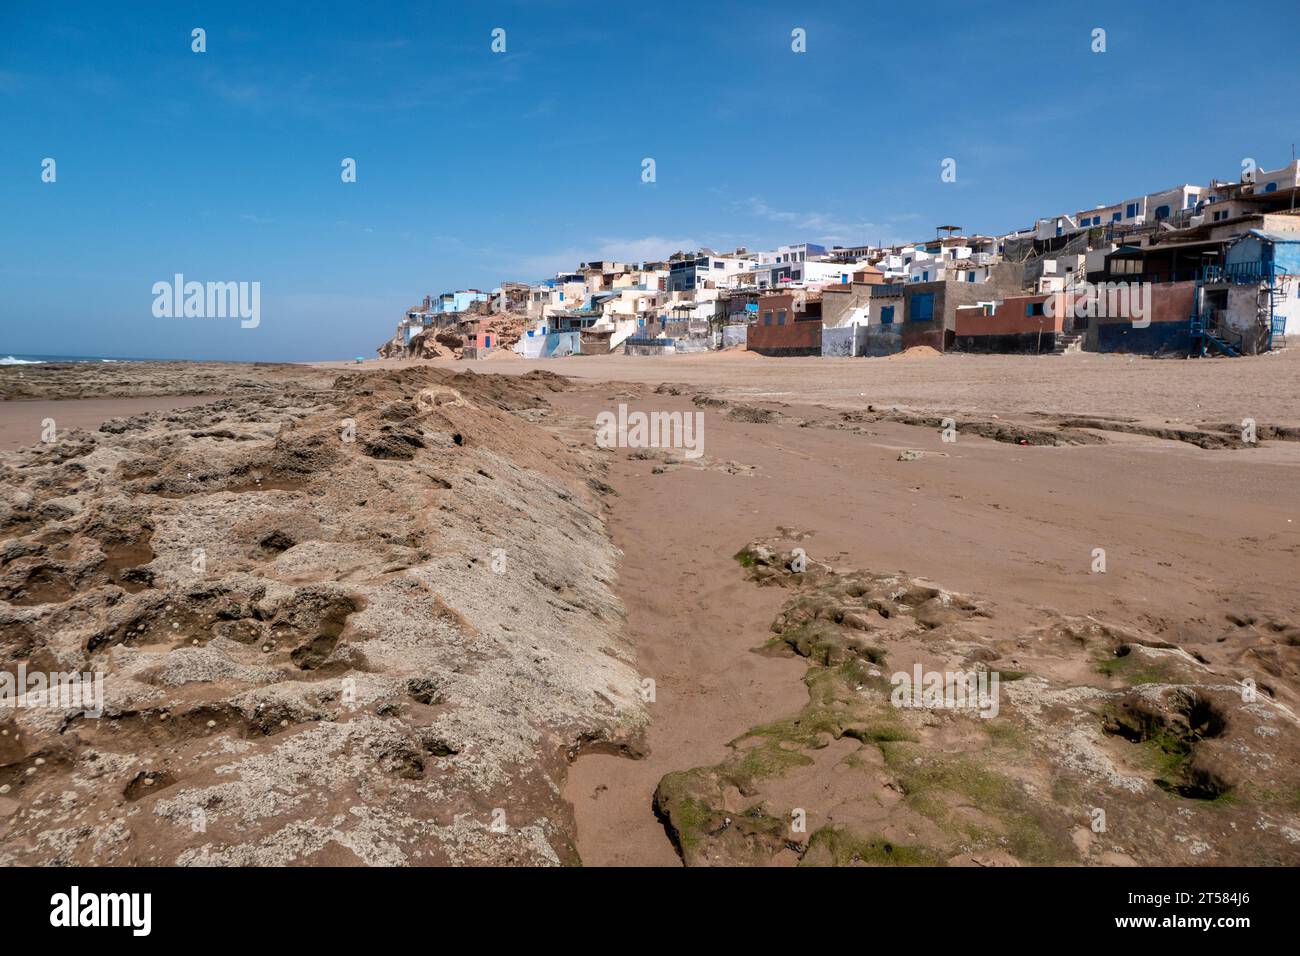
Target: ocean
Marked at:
49, 359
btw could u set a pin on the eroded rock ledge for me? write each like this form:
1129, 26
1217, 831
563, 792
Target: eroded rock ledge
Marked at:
364, 623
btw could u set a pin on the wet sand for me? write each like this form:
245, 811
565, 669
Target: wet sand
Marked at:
21, 420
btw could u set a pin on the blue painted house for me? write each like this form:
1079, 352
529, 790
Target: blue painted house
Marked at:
1255, 294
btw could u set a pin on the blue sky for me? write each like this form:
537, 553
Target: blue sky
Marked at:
473, 167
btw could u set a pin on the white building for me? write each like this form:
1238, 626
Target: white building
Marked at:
804, 272
1272, 181
799, 252
1063, 273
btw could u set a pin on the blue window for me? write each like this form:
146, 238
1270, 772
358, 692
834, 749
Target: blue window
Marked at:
561, 296
1059, 230
970, 277
1162, 212
922, 307
886, 315
780, 317
1033, 308
925, 276
1131, 210
1271, 188
1115, 217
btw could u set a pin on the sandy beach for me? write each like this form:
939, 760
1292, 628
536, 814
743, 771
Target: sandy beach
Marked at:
1266, 387
430, 579
1014, 525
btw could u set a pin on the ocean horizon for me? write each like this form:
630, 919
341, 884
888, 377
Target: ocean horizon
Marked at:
23, 358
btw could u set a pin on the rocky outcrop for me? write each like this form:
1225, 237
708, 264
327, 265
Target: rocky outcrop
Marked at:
364, 622
449, 340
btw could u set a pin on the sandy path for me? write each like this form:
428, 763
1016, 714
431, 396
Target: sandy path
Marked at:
1015, 525
693, 620
20, 421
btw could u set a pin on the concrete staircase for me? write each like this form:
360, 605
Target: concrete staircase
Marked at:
1068, 342
622, 332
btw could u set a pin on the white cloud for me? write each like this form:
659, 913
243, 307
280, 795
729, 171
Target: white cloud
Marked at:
826, 227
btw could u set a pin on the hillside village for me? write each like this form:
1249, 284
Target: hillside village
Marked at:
1186, 271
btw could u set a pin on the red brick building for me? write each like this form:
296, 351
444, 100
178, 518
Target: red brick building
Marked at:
788, 323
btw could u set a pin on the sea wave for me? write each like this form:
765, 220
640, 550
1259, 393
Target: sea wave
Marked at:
10, 360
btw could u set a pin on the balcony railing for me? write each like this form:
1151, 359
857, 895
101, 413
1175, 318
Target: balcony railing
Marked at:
1251, 272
